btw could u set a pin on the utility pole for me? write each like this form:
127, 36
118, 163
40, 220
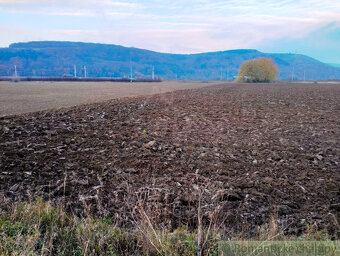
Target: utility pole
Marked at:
75, 70
221, 77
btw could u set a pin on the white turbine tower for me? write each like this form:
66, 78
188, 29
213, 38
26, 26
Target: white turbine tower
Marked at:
130, 67
75, 70
85, 72
15, 71
153, 72
293, 71
228, 73
130, 72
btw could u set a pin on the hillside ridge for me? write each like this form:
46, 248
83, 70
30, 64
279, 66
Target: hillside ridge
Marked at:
58, 58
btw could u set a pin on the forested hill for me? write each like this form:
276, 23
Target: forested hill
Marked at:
49, 58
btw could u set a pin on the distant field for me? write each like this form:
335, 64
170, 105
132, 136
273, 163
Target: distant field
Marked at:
24, 97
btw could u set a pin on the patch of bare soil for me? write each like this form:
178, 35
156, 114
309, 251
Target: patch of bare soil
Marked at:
248, 152
24, 97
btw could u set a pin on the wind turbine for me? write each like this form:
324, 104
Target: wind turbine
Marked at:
227, 72
15, 71
130, 68
130, 72
153, 72
75, 70
295, 53
85, 72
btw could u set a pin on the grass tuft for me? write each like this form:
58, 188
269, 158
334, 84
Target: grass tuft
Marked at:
38, 228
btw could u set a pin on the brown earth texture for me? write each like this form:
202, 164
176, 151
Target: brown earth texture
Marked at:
241, 153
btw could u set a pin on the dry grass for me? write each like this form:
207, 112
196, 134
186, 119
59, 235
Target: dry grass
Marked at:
38, 228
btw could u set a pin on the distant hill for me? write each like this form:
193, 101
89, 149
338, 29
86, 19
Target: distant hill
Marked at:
49, 58
334, 64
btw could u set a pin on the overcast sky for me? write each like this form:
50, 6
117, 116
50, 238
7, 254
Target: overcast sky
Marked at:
310, 27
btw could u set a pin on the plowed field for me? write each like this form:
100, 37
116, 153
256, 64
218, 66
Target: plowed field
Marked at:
247, 152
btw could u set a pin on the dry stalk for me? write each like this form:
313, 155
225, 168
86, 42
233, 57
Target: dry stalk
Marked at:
146, 220
65, 178
211, 222
200, 226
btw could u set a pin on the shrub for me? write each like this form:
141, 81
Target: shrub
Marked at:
257, 70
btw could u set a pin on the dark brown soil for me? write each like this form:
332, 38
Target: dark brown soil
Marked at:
251, 151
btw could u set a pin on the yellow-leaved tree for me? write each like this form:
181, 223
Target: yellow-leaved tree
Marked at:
258, 70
